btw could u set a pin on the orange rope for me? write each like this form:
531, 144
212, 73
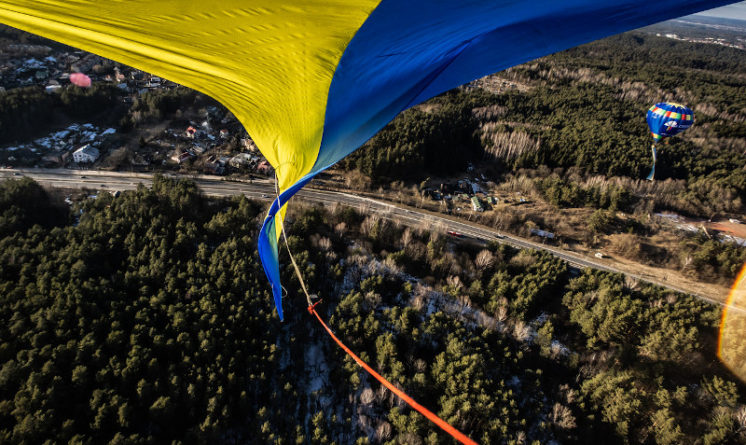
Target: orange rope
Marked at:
458, 435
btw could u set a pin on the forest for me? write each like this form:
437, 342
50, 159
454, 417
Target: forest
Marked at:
581, 112
146, 318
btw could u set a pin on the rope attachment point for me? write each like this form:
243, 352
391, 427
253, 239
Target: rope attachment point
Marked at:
312, 308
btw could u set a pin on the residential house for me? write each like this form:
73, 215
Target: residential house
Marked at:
249, 144
542, 233
181, 156
118, 76
214, 166
52, 158
42, 74
240, 160
85, 154
476, 205
264, 167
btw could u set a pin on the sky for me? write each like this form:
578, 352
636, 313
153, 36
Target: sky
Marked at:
735, 11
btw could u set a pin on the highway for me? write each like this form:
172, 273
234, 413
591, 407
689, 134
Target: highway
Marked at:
264, 190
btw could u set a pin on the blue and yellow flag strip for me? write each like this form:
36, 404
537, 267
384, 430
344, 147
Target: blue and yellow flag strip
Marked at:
651, 175
312, 80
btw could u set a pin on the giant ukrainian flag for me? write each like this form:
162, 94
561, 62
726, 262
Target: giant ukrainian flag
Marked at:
312, 80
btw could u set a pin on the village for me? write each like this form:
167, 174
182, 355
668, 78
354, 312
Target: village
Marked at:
737, 44
207, 140
23, 65
217, 145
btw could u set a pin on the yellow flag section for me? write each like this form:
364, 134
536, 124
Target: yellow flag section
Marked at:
271, 65
732, 344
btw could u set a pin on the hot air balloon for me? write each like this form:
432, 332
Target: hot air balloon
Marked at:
312, 80
667, 119
80, 80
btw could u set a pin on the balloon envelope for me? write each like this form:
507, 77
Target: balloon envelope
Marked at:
80, 80
668, 119
312, 80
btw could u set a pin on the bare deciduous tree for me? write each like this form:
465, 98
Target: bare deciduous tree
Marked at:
484, 260
325, 244
506, 146
383, 432
521, 331
340, 229
562, 416
406, 238
367, 396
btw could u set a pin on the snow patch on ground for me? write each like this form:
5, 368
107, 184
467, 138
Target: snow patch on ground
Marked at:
316, 368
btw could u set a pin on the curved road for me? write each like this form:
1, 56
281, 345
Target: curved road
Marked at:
264, 189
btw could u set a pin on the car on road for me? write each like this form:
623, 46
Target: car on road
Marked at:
455, 234
499, 236
264, 196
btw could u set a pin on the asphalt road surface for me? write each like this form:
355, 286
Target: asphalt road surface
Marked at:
265, 189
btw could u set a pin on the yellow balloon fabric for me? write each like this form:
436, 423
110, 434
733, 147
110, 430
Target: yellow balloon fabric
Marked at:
270, 63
